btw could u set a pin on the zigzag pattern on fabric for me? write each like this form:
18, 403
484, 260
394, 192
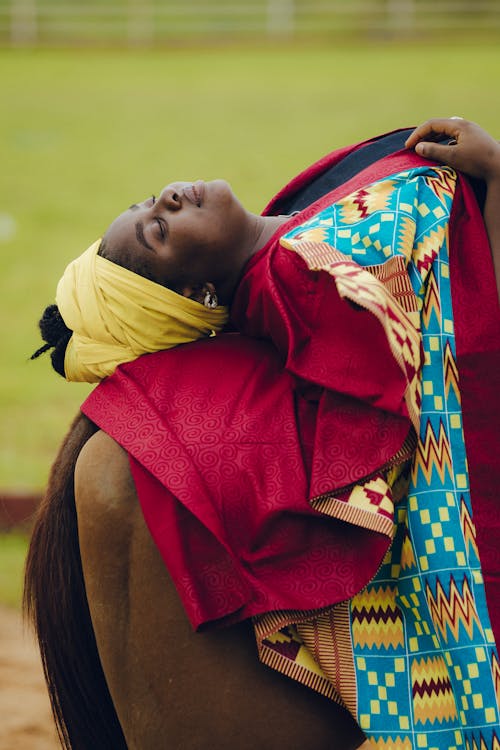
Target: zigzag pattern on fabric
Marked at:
422, 622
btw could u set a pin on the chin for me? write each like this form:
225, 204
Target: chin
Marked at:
223, 190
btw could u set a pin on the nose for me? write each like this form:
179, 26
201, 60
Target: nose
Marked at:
171, 197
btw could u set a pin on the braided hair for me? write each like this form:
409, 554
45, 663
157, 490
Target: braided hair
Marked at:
56, 334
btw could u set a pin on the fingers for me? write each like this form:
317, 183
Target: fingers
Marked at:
436, 152
463, 145
434, 129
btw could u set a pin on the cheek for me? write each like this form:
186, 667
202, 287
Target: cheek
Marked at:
202, 247
206, 238
225, 228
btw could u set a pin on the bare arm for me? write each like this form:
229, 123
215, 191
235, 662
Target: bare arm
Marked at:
474, 152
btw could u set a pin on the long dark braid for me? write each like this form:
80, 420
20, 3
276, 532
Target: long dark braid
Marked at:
56, 334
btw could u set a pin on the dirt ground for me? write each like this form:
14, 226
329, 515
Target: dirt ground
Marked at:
25, 718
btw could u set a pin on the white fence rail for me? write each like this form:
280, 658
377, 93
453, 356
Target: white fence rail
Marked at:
148, 22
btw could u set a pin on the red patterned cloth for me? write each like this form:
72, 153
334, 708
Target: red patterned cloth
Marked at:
477, 330
220, 448
264, 307
227, 446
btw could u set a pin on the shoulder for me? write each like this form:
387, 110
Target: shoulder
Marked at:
102, 473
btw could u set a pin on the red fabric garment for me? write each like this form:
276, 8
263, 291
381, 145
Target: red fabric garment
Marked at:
219, 469
477, 330
264, 306
227, 447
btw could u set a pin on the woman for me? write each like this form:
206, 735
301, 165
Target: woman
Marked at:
194, 262
330, 322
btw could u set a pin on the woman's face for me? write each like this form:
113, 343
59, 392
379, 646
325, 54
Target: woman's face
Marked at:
191, 234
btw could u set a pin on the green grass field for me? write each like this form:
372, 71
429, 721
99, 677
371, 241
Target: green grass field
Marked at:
85, 133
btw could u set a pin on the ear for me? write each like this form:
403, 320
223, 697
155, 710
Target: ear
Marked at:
198, 292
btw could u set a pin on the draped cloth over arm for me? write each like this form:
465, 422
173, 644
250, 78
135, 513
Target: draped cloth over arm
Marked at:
423, 619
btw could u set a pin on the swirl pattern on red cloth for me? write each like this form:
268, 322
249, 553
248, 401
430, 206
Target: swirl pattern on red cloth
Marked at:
219, 466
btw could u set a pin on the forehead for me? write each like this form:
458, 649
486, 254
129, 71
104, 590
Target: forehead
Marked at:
121, 244
123, 229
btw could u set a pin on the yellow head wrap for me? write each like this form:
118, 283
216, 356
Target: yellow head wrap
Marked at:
117, 315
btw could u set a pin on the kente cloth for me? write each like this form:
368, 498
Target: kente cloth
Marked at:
269, 483
412, 655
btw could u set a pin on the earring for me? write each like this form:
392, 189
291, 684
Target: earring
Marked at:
210, 300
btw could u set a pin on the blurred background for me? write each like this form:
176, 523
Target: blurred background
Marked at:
106, 101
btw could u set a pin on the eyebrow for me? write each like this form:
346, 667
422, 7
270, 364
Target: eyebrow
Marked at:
139, 233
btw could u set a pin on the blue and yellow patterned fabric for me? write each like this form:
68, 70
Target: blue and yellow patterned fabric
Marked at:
412, 655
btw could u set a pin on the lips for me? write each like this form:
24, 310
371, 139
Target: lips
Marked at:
194, 192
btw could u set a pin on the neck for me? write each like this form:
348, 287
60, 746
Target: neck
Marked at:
260, 231
266, 226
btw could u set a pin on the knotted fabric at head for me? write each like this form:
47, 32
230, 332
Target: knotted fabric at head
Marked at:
117, 315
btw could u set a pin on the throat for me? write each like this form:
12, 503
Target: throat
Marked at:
269, 227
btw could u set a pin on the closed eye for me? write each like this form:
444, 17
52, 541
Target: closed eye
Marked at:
163, 228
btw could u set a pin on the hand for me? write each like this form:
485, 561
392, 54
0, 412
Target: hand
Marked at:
471, 150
